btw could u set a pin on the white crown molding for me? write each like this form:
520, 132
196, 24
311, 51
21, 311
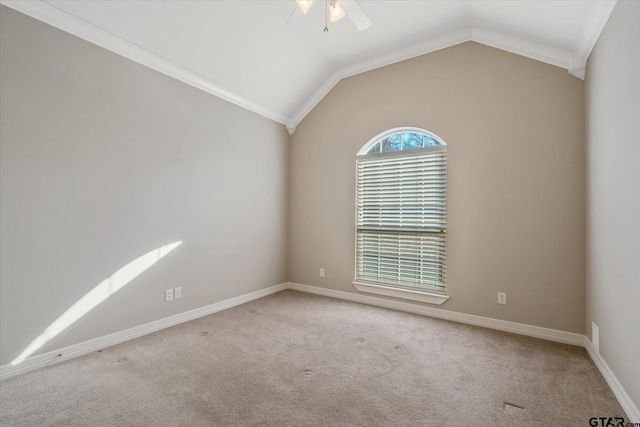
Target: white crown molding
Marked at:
578, 70
77, 350
596, 20
429, 46
432, 45
574, 62
542, 53
621, 394
549, 55
70, 24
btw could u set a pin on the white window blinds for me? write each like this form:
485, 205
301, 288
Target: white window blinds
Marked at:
401, 218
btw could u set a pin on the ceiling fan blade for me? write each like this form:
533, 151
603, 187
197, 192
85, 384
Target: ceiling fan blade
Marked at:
356, 14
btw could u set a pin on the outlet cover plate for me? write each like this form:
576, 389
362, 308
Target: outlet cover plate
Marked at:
502, 297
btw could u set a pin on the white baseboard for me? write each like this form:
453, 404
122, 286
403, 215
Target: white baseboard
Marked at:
580, 340
76, 350
625, 401
486, 322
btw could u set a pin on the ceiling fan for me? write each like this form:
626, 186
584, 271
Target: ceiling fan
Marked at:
338, 9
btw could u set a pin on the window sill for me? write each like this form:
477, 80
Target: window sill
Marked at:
409, 294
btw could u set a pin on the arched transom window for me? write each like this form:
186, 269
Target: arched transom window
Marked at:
401, 206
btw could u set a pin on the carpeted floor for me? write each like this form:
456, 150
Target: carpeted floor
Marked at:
293, 359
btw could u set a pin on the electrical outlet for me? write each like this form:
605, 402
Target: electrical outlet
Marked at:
502, 297
177, 292
322, 272
168, 295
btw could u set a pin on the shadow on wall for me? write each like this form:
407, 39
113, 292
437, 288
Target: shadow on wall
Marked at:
96, 296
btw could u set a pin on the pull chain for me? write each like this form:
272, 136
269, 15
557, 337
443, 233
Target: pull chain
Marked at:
326, 14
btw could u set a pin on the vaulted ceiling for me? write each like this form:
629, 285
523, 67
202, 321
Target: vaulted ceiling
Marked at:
268, 57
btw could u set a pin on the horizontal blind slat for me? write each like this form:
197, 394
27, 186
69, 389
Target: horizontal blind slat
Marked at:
401, 220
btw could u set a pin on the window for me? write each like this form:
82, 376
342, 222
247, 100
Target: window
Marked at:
401, 209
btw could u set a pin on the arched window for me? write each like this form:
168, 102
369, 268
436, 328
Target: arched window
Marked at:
401, 206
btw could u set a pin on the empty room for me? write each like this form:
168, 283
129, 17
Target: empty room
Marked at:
320, 213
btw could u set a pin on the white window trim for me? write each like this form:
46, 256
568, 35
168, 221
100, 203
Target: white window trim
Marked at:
410, 294
372, 141
392, 291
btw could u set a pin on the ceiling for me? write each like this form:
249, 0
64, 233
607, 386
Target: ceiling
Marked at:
242, 50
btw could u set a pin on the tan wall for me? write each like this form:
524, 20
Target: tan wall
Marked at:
102, 160
515, 134
613, 194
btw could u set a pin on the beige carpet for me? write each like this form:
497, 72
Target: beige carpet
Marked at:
293, 359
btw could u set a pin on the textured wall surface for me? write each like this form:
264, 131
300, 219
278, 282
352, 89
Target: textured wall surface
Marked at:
613, 194
515, 134
104, 160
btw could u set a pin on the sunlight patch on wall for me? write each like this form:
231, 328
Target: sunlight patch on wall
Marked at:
96, 296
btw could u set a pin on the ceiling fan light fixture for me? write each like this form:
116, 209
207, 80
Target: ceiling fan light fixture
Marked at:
335, 11
305, 5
